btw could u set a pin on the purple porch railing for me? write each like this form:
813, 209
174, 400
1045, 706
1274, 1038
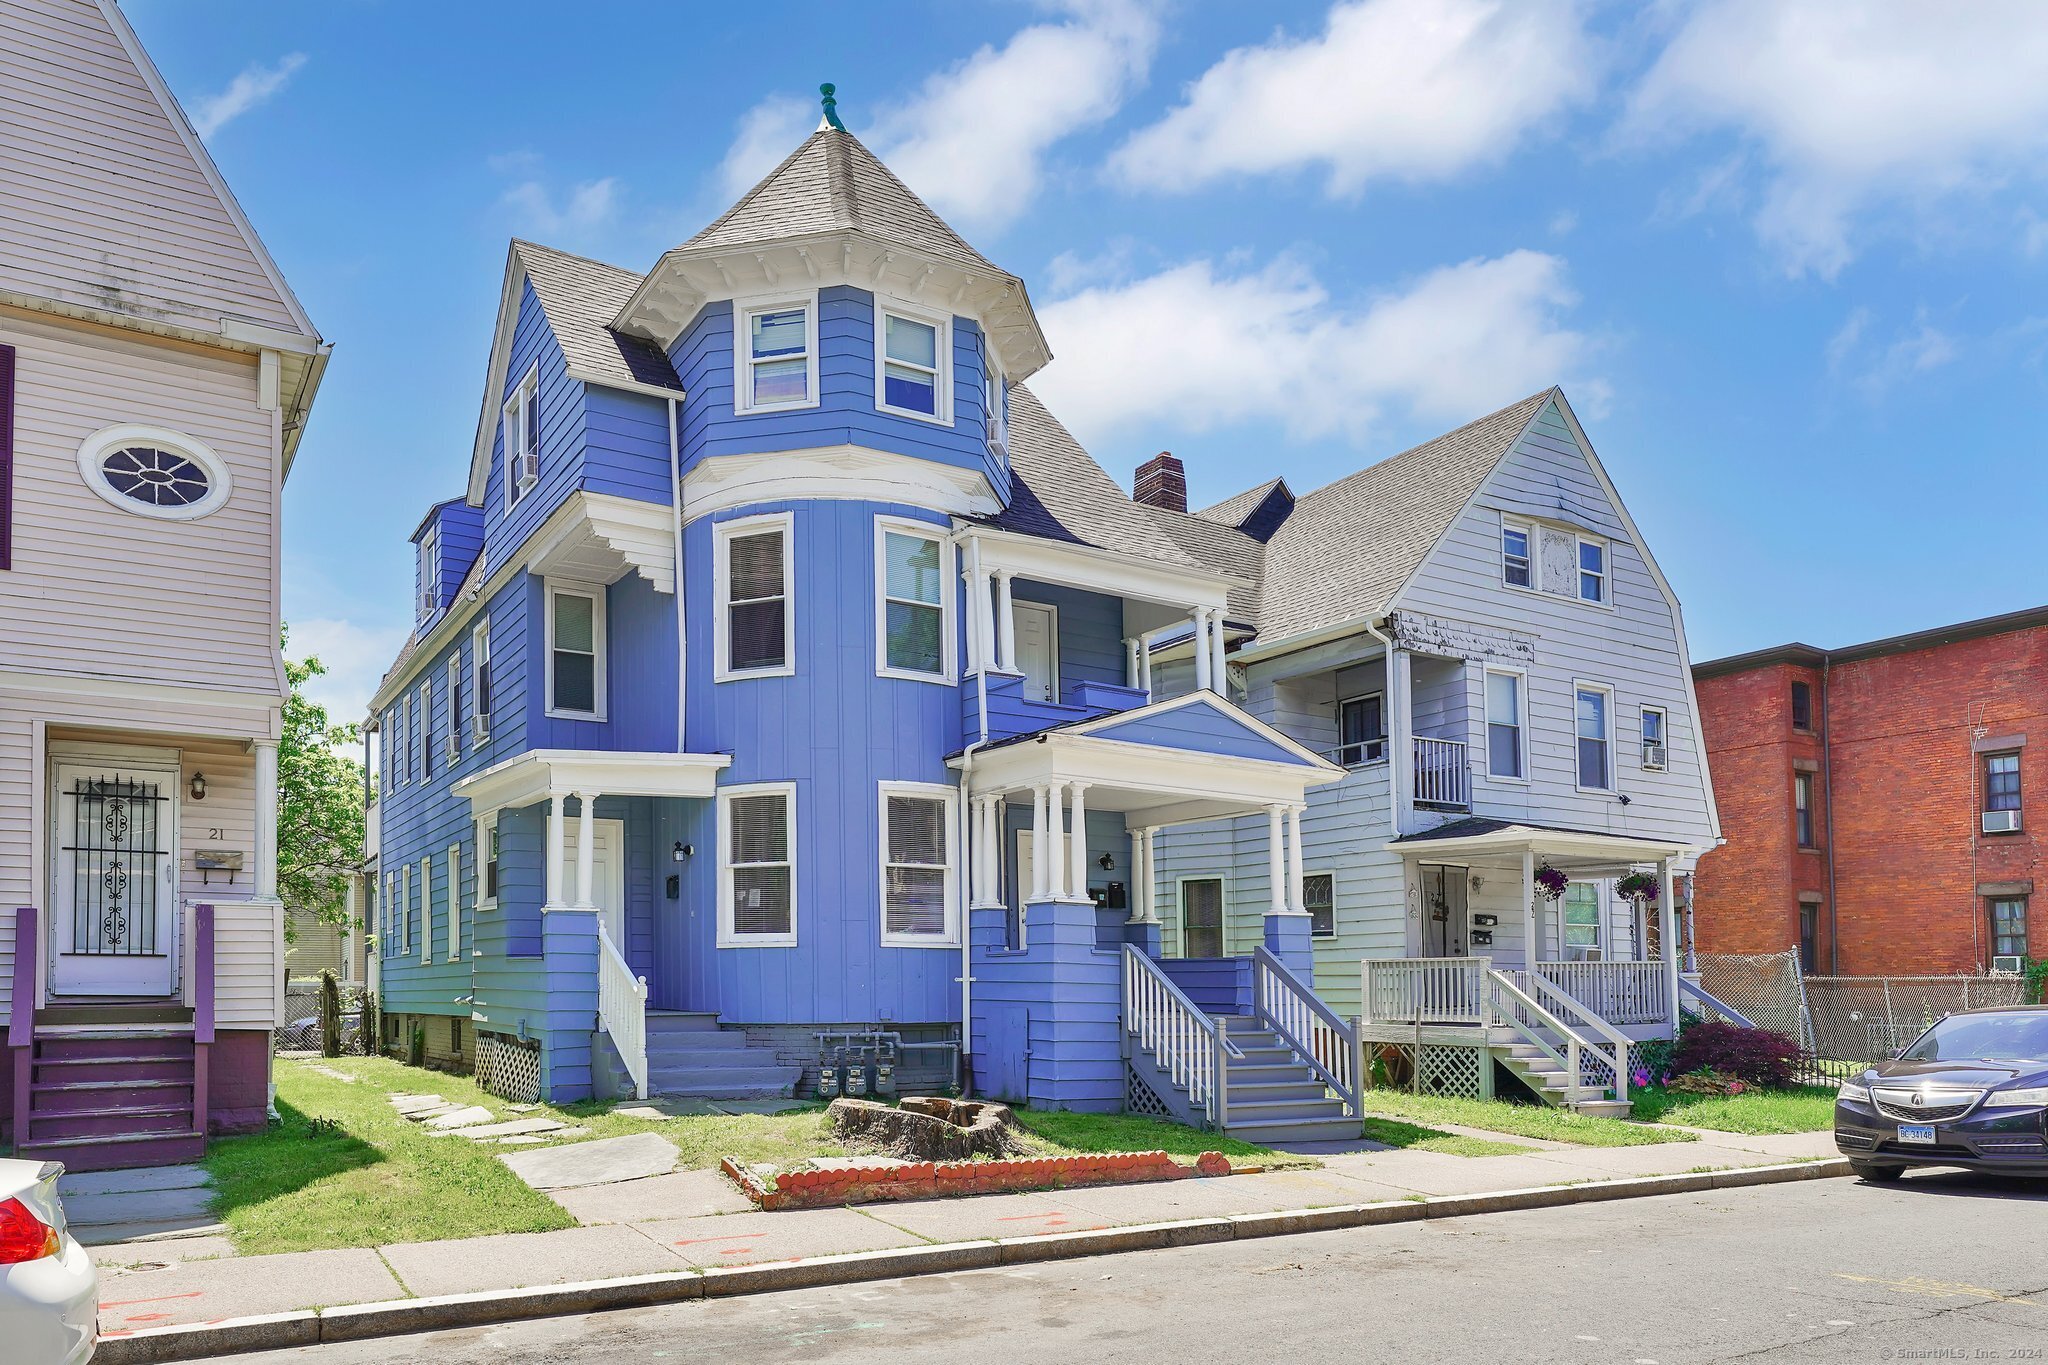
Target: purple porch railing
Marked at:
21, 1018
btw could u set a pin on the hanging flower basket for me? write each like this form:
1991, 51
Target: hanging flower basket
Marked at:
1640, 887
1550, 883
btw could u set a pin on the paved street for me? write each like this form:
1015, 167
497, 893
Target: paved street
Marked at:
1826, 1270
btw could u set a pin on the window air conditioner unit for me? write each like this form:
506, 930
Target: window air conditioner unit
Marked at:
2008, 964
1653, 755
2001, 821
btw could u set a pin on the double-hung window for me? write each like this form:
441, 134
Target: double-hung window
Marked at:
995, 399
480, 680
1517, 565
387, 750
522, 437
1802, 809
917, 869
487, 862
426, 911
2009, 926
912, 371
757, 865
2001, 792
425, 728
1504, 757
576, 682
1653, 737
1592, 570
1594, 709
1319, 898
1361, 730
1582, 922
454, 705
1802, 706
775, 355
405, 908
913, 575
755, 628
454, 903
429, 571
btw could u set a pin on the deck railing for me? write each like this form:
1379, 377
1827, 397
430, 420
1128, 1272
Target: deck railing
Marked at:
1442, 777
1619, 992
1426, 990
1317, 1033
622, 1009
1592, 1055
1186, 1043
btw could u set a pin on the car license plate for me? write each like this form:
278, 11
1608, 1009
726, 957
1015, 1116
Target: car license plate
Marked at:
1916, 1132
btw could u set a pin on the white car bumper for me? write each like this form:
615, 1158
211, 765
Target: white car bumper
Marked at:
49, 1309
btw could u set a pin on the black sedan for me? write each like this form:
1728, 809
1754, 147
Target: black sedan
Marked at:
1970, 1092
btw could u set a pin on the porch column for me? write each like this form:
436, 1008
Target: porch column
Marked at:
1276, 859
1667, 923
1038, 844
1295, 900
1145, 665
980, 636
586, 832
1216, 669
266, 820
1006, 625
1141, 876
1400, 721
1531, 950
556, 814
1055, 842
1077, 845
986, 833
1131, 674
1203, 680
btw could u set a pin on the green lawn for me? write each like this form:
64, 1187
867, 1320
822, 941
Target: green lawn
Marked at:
1414, 1137
1808, 1109
1519, 1120
343, 1169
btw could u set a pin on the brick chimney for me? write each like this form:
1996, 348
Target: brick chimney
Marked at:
1161, 482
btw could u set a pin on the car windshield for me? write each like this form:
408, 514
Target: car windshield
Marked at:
1986, 1037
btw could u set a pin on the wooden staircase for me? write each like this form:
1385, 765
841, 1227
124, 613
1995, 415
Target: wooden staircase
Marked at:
103, 1096
692, 1055
1548, 1081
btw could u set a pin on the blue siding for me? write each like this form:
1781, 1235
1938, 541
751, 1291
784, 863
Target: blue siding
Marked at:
1203, 727
640, 670
1091, 626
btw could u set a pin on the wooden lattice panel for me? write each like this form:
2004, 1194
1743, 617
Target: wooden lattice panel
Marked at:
508, 1067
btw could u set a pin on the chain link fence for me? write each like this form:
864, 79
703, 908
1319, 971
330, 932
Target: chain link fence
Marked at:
298, 1027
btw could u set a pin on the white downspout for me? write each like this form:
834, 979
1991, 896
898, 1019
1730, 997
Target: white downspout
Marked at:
1397, 728
675, 467
977, 611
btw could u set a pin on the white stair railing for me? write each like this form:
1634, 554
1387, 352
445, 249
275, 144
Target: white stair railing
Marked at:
1187, 1044
622, 1009
1528, 1004
1317, 1033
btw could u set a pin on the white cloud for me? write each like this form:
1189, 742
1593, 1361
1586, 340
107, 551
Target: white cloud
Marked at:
538, 211
1853, 105
255, 84
356, 657
1194, 347
1875, 364
1401, 89
767, 133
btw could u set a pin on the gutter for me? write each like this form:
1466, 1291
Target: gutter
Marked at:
1291, 643
967, 805
675, 467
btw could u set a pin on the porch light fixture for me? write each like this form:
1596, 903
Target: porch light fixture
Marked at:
199, 786
1105, 862
682, 851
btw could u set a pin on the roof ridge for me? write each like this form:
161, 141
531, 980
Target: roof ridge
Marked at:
1424, 445
577, 256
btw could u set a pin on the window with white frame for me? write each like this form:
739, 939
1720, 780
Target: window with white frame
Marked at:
752, 568
1362, 730
1592, 570
429, 571
405, 907
1653, 737
387, 747
1517, 562
425, 728
757, 865
411, 707
1594, 710
487, 855
917, 868
914, 619
522, 437
480, 679
1319, 898
1582, 922
995, 398
576, 681
912, 373
426, 911
1505, 756
775, 344
387, 934
454, 902
454, 705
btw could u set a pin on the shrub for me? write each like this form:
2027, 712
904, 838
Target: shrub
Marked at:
1756, 1055
1653, 1061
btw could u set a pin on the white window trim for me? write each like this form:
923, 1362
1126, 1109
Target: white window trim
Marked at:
949, 646
1521, 676
427, 911
1613, 780
1180, 910
454, 735
728, 937
411, 724
721, 592
935, 791
455, 902
1386, 740
387, 938
1663, 715
405, 909
220, 485
995, 400
743, 311
429, 570
385, 751
479, 661
942, 377
1601, 898
1528, 530
1307, 874
426, 729
595, 596
1606, 574
516, 488
486, 830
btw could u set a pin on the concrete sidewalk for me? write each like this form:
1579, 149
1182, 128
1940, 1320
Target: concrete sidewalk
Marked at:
695, 1221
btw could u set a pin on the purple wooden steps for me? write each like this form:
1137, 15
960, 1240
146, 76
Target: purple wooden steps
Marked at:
104, 1097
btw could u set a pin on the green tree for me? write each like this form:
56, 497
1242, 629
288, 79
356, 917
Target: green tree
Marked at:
319, 803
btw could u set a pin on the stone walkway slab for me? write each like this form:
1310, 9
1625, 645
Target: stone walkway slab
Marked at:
511, 1128
746, 1238
759, 1106
462, 1118
202, 1291
667, 1107
523, 1259
595, 1163
151, 1234
128, 1182
686, 1194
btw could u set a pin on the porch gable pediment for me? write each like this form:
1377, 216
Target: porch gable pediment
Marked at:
1205, 725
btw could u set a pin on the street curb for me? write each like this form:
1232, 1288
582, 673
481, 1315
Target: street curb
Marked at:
357, 1322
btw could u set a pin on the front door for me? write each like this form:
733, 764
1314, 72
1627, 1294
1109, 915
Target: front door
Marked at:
1038, 649
1443, 911
114, 892
607, 873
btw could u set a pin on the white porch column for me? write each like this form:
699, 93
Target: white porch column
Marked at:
266, 820
1667, 923
1038, 843
586, 840
990, 837
1006, 624
1295, 899
1203, 660
1145, 665
1216, 669
1531, 950
556, 815
1141, 875
1077, 844
1276, 858
1131, 674
1150, 888
980, 631
1055, 841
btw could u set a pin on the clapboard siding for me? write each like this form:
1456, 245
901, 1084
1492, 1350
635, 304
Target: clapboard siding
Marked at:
107, 205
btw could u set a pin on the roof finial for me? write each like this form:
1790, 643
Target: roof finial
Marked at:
831, 107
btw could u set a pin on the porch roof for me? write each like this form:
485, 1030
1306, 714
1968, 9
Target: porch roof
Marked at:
1569, 849
539, 773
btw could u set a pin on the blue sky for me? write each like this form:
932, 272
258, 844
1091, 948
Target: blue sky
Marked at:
1787, 259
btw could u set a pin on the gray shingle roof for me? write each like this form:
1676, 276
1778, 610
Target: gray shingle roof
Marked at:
1225, 549
581, 297
1233, 511
833, 182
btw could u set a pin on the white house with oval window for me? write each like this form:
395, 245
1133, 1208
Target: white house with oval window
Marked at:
155, 376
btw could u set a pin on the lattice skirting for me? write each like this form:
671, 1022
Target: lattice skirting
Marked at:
1140, 1099
508, 1067
1453, 1072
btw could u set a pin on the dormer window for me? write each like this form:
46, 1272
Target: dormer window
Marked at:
913, 370
429, 572
522, 438
776, 347
995, 405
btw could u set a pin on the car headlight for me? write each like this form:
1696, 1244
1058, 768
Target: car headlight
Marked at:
2019, 1099
1852, 1091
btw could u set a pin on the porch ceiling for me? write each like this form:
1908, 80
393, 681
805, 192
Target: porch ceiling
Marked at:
539, 773
1152, 786
1502, 843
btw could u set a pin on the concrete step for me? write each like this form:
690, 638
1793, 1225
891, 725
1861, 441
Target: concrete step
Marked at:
1604, 1109
1298, 1130
761, 1084
681, 1021
691, 1040
1290, 1089
1288, 1111
59, 1125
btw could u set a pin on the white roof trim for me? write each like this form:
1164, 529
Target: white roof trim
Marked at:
1095, 570
1223, 704
494, 374
539, 773
1606, 848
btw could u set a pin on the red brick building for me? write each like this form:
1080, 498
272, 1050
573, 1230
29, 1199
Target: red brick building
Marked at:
1882, 806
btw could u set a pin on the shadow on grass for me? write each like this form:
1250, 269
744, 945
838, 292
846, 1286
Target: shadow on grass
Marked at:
299, 1150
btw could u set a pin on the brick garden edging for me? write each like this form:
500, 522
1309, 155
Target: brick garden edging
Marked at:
941, 1179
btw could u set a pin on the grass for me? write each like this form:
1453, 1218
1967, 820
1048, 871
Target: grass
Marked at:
1520, 1120
1806, 1109
1415, 1138
344, 1169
